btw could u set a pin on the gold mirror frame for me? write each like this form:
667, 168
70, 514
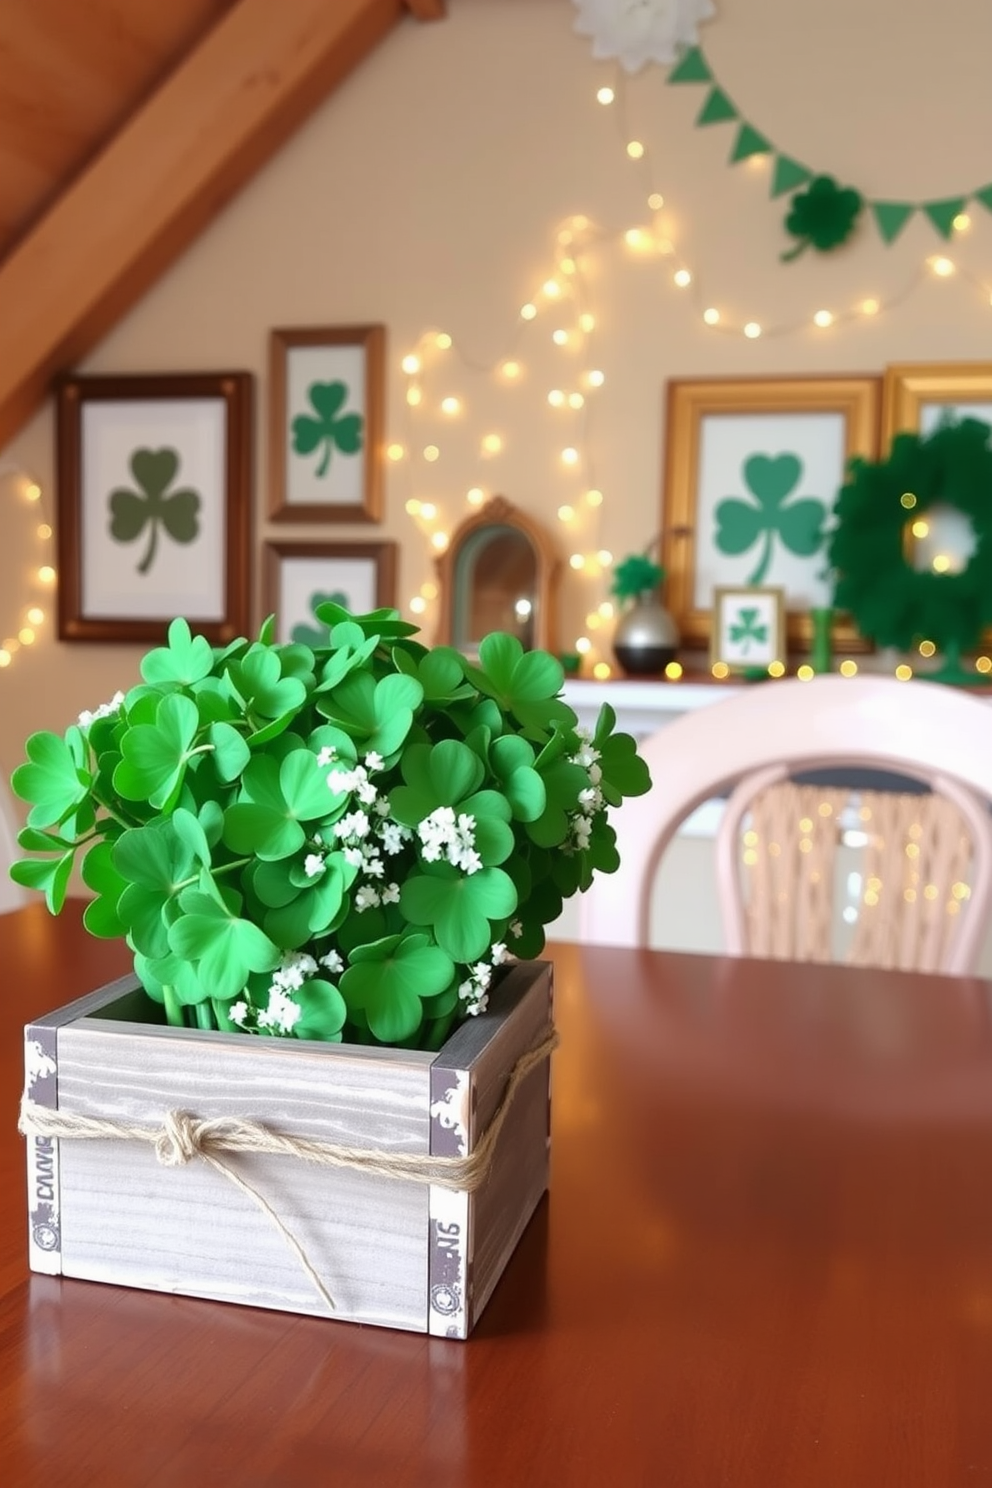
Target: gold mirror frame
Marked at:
499, 512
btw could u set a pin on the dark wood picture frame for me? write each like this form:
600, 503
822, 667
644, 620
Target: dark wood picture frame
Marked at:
293, 492
383, 556
91, 467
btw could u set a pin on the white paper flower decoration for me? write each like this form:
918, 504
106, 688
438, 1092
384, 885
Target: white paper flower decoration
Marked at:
639, 31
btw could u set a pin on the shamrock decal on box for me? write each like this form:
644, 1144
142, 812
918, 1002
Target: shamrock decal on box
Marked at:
149, 506
797, 524
330, 429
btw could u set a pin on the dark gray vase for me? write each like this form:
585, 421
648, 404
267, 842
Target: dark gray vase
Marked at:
646, 638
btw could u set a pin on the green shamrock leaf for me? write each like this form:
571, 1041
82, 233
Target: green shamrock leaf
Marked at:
624, 773
133, 510
379, 714
799, 524
187, 659
387, 979
277, 797
822, 216
512, 761
562, 783
225, 947
323, 1011
331, 428
157, 862
747, 628
99, 873
459, 907
524, 683
154, 755
258, 682
55, 780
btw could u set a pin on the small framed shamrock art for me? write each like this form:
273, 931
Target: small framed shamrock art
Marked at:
326, 424
297, 577
753, 468
154, 505
748, 628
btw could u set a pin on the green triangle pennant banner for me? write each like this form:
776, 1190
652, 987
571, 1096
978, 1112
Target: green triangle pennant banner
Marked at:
985, 197
788, 175
891, 218
717, 109
943, 213
691, 67
749, 142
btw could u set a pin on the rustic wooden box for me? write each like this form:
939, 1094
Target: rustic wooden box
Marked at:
391, 1252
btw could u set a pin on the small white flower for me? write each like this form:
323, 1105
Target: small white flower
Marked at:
367, 792
355, 825
582, 827
382, 806
104, 710
498, 953
373, 760
595, 774
390, 894
482, 972
238, 1012
366, 898
479, 1005
466, 991
326, 756
516, 929
341, 781
332, 961
467, 859
355, 857
391, 837
313, 865
373, 865
587, 756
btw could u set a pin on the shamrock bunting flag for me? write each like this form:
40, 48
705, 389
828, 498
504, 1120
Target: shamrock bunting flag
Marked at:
789, 175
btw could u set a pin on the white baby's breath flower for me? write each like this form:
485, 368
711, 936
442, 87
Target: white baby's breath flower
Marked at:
355, 825
313, 865
479, 1005
390, 894
516, 929
104, 710
331, 961
326, 756
366, 898
391, 837
482, 972
498, 953
374, 760
238, 1012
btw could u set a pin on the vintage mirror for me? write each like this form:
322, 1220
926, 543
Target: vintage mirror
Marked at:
498, 573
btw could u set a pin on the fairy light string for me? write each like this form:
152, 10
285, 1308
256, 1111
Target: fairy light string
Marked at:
20, 626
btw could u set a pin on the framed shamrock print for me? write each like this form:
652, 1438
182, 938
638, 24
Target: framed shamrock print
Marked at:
154, 503
326, 426
748, 628
300, 576
753, 468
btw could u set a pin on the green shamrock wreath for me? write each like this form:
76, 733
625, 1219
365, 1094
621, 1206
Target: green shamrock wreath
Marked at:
890, 601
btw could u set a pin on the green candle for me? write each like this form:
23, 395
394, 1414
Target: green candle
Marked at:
821, 651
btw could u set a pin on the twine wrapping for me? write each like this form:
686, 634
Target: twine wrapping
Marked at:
182, 1137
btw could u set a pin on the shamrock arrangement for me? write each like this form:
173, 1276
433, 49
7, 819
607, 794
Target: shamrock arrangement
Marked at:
341, 841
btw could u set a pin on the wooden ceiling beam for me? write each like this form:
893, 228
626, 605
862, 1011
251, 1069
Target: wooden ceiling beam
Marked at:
215, 120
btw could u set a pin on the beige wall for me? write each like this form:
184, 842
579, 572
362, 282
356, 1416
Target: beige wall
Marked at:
426, 193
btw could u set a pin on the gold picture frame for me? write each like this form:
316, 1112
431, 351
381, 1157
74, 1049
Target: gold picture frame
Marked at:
706, 415
909, 389
759, 638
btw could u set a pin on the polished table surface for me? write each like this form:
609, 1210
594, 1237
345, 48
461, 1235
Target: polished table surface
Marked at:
765, 1262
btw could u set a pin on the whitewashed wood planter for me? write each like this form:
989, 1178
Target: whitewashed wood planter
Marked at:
390, 1251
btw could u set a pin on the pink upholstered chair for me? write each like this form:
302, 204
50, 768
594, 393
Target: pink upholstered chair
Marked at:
925, 885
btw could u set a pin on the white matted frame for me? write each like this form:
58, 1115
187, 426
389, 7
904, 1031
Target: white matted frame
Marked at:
326, 423
753, 467
154, 503
298, 576
748, 627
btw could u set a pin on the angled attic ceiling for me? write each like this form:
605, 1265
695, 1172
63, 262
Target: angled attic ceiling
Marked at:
125, 126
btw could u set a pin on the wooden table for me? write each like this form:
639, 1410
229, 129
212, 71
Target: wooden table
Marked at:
766, 1260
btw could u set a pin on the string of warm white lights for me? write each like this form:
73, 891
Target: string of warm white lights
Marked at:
658, 238
24, 628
